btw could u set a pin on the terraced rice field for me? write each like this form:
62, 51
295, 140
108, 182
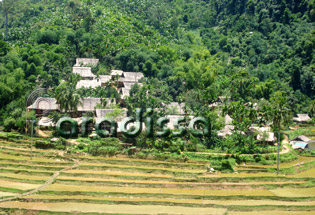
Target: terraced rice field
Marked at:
94, 185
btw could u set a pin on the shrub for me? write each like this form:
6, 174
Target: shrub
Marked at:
105, 147
227, 165
44, 145
60, 145
246, 158
9, 124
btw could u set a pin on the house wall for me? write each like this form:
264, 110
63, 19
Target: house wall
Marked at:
311, 146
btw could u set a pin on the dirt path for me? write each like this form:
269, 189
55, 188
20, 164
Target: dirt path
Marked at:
48, 182
41, 133
285, 147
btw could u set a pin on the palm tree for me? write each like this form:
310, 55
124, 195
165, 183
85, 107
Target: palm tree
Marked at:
67, 96
279, 113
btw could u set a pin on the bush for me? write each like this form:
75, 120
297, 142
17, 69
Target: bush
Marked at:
105, 147
246, 158
227, 165
44, 145
9, 124
107, 151
307, 153
60, 145
17, 120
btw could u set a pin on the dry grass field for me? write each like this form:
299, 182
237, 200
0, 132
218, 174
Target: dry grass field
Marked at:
118, 185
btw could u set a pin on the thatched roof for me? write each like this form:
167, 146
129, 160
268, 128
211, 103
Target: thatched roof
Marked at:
301, 138
84, 72
104, 78
89, 104
43, 103
89, 83
116, 72
86, 61
301, 118
131, 77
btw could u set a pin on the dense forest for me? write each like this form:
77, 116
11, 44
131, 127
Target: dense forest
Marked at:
191, 51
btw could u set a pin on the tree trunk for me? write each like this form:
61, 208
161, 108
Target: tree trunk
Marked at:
278, 156
6, 26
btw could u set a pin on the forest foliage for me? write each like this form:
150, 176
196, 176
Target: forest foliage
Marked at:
191, 51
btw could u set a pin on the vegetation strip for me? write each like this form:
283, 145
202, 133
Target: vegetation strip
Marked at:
62, 187
148, 183
173, 200
177, 196
144, 168
137, 162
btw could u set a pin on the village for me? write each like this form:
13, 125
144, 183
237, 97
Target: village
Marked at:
140, 107
124, 82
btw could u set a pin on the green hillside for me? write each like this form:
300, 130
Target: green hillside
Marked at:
192, 51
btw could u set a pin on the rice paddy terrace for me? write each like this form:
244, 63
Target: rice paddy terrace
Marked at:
56, 183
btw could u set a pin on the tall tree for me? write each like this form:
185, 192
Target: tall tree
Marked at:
279, 113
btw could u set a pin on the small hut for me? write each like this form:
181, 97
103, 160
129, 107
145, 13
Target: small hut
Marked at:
302, 118
300, 142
